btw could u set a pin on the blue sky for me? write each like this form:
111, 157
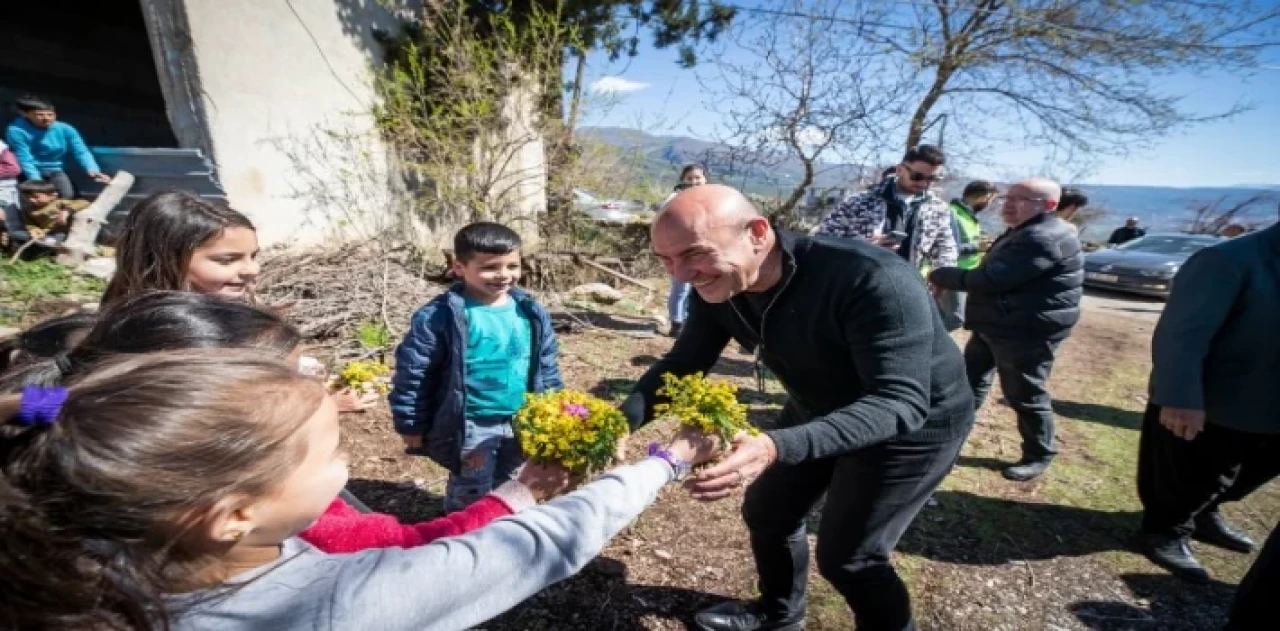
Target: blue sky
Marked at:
660, 97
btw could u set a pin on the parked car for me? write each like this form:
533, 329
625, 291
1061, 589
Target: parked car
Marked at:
1145, 265
607, 210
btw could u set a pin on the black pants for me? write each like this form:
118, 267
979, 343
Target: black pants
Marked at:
354, 501
1179, 479
1023, 367
872, 496
60, 181
1255, 606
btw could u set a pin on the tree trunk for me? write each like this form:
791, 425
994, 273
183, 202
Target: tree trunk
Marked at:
915, 132
788, 207
86, 224
575, 100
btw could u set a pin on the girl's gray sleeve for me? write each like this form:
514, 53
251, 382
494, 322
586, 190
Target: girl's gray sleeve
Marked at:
458, 582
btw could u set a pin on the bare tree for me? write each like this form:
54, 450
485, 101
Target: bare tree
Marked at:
806, 88
1213, 217
1079, 76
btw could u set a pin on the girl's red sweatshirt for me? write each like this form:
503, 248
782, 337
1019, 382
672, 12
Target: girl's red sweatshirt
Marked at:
344, 529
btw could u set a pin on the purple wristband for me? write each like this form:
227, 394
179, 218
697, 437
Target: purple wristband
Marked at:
680, 467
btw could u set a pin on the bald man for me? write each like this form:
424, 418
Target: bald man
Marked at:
877, 403
1024, 298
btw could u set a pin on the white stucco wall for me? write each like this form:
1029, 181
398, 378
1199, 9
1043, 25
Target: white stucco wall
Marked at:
279, 92
286, 89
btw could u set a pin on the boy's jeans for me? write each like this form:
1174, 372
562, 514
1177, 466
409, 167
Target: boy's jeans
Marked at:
678, 301
60, 181
490, 455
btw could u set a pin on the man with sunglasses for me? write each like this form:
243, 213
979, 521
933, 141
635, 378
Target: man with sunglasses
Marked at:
901, 213
1024, 299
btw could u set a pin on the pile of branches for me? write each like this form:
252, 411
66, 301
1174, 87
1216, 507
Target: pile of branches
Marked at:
332, 293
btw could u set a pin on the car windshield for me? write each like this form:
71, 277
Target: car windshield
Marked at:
1166, 245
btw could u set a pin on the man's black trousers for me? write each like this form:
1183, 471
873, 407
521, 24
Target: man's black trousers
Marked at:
1179, 479
872, 496
1255, 605
1023, 367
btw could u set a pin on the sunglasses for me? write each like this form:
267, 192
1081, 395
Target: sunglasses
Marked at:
917, 176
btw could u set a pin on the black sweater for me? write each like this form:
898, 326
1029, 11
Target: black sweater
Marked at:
856, 341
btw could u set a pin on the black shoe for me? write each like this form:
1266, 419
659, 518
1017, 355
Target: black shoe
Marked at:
675, 329
1027, 469
1213, 529
1173, 554
744, 616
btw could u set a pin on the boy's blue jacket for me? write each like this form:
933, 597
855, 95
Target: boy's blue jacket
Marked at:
428, 394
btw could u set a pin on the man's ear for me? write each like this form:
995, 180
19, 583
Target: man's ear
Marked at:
758, 228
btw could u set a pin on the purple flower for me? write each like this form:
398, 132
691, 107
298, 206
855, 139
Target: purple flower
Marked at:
577, 410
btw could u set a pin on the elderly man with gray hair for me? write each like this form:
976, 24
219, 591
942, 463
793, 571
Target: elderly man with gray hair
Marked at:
1024, 299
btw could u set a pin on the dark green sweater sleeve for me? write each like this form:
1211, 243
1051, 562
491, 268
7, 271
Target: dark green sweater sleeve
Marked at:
696, 350
888, 327
1204, 292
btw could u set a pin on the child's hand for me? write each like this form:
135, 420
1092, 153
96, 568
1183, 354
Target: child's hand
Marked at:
694, 446
545, 480
349, 400
413, 444
99, 177
620, 452
62, 218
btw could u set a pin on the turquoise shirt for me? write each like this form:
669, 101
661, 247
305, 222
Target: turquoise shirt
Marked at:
499, 354
47, 149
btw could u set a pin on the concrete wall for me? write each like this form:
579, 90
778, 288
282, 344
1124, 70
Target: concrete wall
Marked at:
279, 93
270, 81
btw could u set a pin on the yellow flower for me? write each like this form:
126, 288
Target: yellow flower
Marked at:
570, 428
709, 406
365, 376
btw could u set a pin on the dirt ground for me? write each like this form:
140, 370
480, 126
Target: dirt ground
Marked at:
992, 554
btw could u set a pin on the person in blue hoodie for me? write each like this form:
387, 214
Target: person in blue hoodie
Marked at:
42, 144
468, 359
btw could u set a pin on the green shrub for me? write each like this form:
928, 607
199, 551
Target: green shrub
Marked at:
25, 282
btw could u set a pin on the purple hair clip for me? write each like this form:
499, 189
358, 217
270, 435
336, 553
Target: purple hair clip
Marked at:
40, 406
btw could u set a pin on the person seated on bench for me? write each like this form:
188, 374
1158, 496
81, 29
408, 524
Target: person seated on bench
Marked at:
46, 215
43, 144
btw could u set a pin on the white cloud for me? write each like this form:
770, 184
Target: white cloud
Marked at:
614, 85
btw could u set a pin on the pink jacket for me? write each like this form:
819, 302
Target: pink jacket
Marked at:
9, 169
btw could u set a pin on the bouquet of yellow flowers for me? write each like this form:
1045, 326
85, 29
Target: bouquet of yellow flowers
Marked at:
711, 407
365, 377
570, 428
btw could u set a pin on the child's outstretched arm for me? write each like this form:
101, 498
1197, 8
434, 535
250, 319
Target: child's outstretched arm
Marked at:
418, 360
344, 529
458, 582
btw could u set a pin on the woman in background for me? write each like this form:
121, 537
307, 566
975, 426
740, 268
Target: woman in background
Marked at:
678, 300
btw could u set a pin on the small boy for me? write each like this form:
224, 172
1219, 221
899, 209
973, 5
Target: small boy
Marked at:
48, 217
42, 144
466, 363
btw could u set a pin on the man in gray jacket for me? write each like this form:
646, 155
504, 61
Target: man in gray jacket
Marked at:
1024, 299
1211, 433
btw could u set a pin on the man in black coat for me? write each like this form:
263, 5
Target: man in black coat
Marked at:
877, 404
1129, 232
1024, 298
1211, 433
